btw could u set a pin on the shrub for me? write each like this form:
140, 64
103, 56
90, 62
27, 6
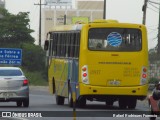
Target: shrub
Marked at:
153, 80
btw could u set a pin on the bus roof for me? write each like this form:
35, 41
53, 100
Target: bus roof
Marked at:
67, 27
79, 26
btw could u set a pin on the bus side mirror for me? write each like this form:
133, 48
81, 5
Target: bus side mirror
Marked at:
46, 45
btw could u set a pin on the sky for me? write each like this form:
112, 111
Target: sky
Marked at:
129, 11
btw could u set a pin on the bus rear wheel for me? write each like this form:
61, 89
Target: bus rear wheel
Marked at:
59, 100
81, 102
109, 102
122, 103
132, 103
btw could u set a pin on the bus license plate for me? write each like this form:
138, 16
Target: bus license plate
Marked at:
7, 95
114, 82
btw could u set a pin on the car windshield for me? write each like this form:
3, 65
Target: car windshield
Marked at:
10, 73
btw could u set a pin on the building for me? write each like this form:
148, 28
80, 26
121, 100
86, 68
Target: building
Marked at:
2, 3
81, 11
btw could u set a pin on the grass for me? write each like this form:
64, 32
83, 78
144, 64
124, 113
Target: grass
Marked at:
36, 78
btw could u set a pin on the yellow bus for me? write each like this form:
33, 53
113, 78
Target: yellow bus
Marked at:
99, 61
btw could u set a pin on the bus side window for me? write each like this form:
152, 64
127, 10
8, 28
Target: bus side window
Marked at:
79, 37
72, 45
64, 44
50, 48
58, 44
77, 40
54, 48
67, 44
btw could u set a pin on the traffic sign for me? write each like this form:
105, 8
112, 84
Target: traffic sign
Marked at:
10, 56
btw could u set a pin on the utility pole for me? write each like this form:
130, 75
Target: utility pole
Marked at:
104, 10
158, 45
144, 9
40, 14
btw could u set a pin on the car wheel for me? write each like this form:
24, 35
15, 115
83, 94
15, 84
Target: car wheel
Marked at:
19, 103
26, 102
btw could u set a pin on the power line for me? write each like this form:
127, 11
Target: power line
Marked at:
153, 10
153, 5
154, 2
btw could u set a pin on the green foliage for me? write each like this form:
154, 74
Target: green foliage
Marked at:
153, 80
36, 78
14, 28
33, 57
152, 57
15, 33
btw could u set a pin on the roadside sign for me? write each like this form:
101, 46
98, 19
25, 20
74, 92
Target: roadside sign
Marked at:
10, 56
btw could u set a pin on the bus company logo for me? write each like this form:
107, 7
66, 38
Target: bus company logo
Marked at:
114, 39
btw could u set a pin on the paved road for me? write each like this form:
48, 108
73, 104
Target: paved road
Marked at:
41, 100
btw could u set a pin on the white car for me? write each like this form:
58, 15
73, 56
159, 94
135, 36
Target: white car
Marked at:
14, 86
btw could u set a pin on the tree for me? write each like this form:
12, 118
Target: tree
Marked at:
33, 57
14, 29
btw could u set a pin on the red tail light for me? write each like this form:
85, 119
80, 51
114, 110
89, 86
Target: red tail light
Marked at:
144, 75
84, 74
25, 82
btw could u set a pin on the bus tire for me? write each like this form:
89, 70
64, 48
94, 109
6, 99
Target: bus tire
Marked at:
70, 99
81, 102
53, 85
122, 103
132, 103
109, 102
59, 100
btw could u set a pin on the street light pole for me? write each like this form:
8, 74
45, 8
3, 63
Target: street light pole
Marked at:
104, 10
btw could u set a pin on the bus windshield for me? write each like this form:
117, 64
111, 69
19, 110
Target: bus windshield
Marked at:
115, 39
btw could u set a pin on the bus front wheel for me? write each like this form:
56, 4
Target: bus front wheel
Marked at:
59, 100
70, 99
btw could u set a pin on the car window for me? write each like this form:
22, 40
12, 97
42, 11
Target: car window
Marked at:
10, 73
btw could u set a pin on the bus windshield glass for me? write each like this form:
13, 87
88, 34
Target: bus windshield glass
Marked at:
115, 39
